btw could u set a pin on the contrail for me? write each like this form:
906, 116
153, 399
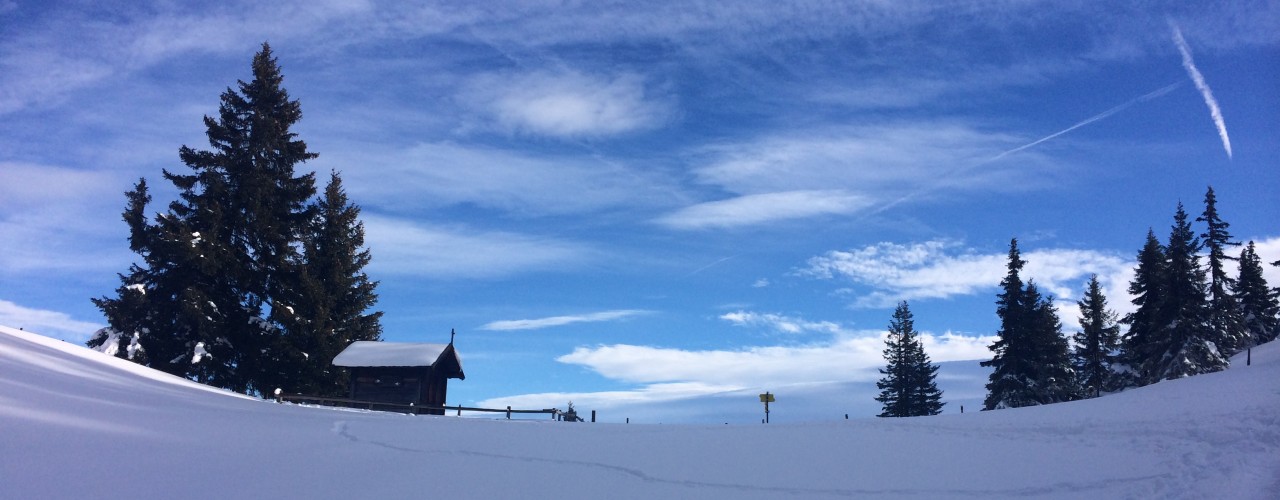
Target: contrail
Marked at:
1196, 77
1100, 116
1145, 97
709, 266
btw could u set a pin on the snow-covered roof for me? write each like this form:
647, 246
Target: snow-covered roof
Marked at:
369, 353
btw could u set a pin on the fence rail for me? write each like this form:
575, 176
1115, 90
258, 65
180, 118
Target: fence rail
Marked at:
403, 407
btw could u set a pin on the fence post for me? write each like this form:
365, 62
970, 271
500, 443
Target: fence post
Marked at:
508, 413
593, 416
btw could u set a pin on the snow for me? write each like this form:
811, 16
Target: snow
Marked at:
72, 416
199, 353
111, 345
367, 353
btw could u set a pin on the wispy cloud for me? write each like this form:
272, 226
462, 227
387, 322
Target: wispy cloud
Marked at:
401, 247
1214, 111
442, 174
539, 323
43, 223
844, 170
764, 208
865, 160
67, 51
570, 104
51, 323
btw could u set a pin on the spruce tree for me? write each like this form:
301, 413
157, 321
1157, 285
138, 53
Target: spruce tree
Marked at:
908, 388
1258, 305
1224, 311
1184, 343
1148, 288
1031, 362
216, 296
1012, 362
126, 314
1096, 342
335, 298
1054, 380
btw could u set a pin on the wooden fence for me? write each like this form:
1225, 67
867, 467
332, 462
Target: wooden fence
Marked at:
401, 407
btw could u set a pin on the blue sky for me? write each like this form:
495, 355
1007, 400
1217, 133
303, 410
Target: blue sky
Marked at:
661, 211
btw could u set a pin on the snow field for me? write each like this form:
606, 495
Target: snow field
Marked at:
78, 423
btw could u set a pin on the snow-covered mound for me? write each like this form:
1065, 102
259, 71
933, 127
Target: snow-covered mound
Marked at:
77, 423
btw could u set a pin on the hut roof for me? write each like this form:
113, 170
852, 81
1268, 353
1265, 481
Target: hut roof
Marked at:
364, 353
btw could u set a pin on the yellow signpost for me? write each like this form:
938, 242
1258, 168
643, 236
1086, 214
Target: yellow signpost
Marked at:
766, 398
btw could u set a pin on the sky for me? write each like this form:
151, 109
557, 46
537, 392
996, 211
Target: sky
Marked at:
662, 211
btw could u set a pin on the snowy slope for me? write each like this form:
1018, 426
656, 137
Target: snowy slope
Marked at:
77, 423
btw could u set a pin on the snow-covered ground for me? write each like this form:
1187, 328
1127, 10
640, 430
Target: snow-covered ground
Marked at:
78, 424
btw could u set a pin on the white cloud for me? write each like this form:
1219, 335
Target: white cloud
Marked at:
533, 324
760, 283
654, 393
941, 269
51, 323
715, 382
569, 103
844, 359
764, 208
1268, 250
781, 323
405, 248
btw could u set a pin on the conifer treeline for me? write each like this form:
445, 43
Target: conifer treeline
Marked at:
1190, 319
248, 281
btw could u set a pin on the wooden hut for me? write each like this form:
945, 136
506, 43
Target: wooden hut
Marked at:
401, 372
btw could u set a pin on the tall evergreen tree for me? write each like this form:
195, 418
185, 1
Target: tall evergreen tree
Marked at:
127, 312
335, 298
1009, 385
1258, 305
1184, 343
1054, 379
1031, 362
1148, 288
1096, 342
227, 292
908, 388
1224, 311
